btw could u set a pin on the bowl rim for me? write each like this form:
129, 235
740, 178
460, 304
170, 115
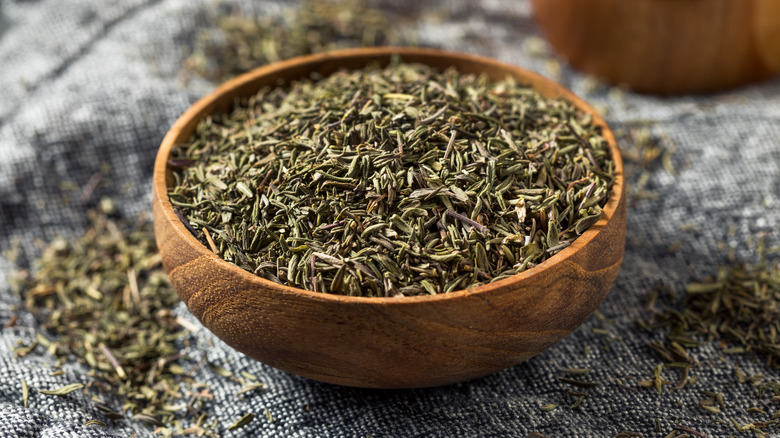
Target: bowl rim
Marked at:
207, 104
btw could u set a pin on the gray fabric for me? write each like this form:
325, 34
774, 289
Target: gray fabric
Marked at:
88, 82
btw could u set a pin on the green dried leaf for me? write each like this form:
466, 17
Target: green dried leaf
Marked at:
67, 389
243, 421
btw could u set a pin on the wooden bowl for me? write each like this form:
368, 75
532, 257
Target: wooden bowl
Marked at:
388, 342
666, 46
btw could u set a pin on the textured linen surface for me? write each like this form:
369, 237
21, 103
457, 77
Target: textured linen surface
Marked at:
85, 83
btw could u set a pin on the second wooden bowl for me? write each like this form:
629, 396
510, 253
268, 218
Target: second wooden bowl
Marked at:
388, 342
666, 46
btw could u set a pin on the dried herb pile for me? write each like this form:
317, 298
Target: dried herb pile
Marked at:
642, 150
392, 181
106, 300
739, 308
243, 42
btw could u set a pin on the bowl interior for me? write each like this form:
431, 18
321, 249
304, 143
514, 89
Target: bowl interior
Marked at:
281, 73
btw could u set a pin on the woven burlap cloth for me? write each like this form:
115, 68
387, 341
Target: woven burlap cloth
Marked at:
91, 85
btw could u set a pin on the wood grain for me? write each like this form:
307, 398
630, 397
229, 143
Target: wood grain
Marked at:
388, 342
666, 46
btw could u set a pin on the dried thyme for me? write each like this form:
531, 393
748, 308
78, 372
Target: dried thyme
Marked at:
739, 307
242, 42
392, 181
106, 300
